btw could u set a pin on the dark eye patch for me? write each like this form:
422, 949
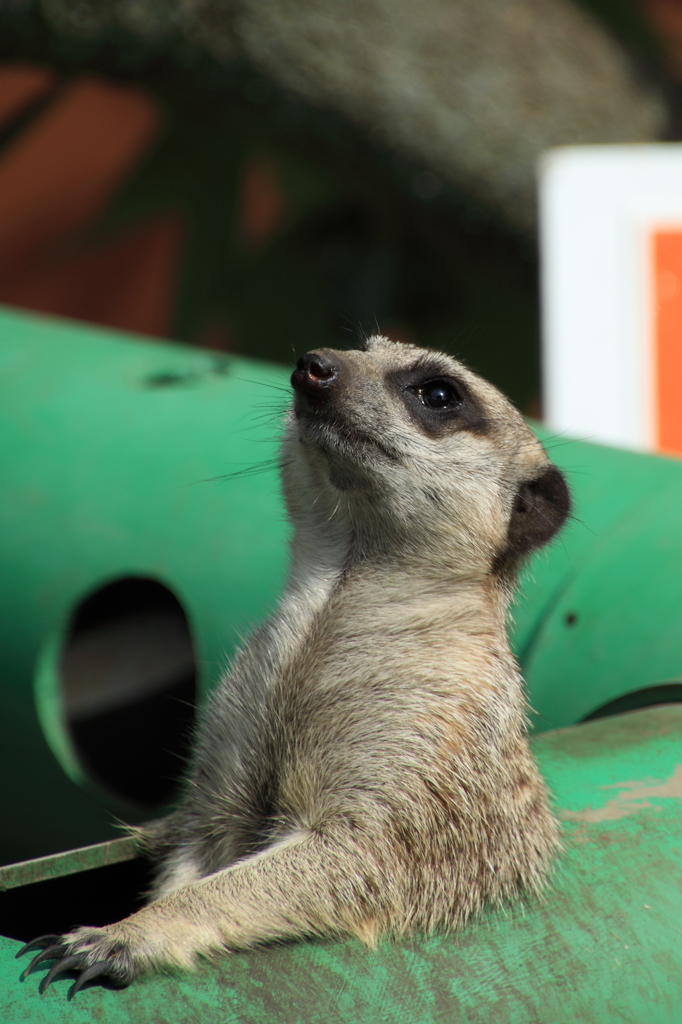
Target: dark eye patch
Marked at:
437, 401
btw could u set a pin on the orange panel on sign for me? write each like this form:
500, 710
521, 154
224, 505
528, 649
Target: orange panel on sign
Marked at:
667, 252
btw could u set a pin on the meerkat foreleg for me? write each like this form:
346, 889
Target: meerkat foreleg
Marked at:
302, 885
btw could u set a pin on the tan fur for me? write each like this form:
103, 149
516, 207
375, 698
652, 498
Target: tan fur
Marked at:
363, 768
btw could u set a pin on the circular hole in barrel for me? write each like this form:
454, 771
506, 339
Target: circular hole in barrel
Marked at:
647, 697
128, 681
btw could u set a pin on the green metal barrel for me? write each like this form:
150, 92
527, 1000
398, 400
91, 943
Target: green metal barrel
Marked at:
142, 533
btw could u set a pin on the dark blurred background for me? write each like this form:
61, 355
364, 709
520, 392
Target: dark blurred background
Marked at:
266, 176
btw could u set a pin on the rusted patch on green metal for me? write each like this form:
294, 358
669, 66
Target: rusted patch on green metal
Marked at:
633, 798
67, 863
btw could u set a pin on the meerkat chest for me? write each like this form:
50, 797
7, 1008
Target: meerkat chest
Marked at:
377, 641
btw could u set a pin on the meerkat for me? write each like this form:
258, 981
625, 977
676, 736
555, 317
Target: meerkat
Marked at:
363, 768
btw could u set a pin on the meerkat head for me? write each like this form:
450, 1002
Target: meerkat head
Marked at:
417, 454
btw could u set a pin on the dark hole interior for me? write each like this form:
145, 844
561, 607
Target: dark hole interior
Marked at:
58, 905
648, 696
128, 678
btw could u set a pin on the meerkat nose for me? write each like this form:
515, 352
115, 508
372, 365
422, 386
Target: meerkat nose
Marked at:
314, 374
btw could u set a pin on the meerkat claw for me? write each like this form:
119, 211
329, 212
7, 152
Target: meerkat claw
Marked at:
101, 968
40, 943
54, 952
66, 963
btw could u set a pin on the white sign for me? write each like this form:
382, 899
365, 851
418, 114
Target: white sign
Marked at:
611, 245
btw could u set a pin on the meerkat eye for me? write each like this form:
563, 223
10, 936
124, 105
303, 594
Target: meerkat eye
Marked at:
440, 404
440, 394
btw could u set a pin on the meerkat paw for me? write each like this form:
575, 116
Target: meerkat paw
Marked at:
93, 952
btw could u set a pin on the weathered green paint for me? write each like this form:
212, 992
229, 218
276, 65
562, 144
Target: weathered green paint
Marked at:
601, 947
68, 863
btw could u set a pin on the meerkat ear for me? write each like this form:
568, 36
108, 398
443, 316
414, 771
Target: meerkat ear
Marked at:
540, 509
